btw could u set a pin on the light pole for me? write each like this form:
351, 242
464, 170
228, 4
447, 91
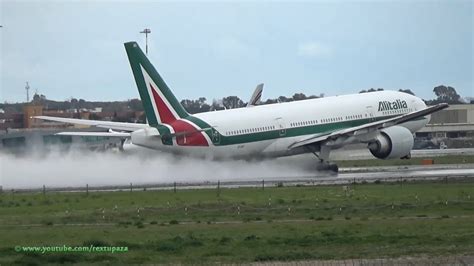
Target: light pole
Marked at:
146, 31
27, 88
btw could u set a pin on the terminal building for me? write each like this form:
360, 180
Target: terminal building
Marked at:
21, 133
451, 128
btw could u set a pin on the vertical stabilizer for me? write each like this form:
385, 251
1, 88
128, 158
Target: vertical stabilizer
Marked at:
161, 106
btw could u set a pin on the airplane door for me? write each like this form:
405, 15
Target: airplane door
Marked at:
280, 125
369, 113
413, 103
216, 137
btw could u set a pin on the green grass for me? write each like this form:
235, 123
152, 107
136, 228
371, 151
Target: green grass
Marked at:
243, 225
448, 159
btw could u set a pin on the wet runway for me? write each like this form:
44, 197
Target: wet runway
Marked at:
380, 174
99, 171
359, 152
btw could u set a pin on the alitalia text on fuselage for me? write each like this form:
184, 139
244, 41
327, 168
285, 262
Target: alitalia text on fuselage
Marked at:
395, 105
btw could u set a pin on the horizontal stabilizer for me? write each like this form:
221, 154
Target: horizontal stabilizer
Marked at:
97, 123
96, 134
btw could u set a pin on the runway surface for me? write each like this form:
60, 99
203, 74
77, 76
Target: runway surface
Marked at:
154, 170
358, 152
388, 174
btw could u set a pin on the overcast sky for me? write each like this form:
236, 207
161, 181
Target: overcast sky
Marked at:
212, 49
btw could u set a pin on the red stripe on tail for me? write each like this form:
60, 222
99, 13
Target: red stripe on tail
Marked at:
166, 116
179, 126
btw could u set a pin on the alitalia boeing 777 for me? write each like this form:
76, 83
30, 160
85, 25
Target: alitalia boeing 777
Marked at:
384, 120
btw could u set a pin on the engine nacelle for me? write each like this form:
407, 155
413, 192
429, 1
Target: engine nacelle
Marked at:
392, 142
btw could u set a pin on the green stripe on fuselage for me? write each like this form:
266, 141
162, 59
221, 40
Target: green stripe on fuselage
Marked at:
290, 132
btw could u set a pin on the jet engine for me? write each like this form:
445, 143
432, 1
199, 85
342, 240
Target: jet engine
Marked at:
392, 142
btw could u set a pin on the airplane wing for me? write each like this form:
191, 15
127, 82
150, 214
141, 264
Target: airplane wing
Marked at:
367, 128
256, 96
102, 124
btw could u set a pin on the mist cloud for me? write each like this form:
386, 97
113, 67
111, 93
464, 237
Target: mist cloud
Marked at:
76, 169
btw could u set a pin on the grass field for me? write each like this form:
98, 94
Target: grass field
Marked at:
242, 225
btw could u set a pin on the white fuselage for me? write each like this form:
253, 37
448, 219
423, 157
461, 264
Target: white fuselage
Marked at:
243, 131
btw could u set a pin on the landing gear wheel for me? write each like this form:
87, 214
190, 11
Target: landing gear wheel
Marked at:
334, 168
407, 157
324, 166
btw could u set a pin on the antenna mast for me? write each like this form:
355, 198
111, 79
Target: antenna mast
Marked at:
146, 31
27, 88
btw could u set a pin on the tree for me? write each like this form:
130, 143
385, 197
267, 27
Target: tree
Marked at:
283, 99
217, 105
299, 97
202, 101
36, 98
135, 104
232, 102
270, 101
447, 94
406, 91
371, 90
81, 104
196, 106
39, 99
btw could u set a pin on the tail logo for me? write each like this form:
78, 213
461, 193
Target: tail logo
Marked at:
163, 110
166, 115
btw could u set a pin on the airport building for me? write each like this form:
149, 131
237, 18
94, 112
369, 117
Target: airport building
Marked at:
20, 132
453, 126
45, 139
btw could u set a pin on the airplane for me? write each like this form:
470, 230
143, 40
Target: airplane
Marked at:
256, 96
384, 120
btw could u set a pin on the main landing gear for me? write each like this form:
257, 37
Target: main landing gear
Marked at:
406, 157
323, 164
327, 166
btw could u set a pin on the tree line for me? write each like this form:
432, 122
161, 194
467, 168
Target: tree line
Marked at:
443, 93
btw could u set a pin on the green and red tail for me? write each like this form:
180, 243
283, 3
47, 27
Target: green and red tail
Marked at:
162, 109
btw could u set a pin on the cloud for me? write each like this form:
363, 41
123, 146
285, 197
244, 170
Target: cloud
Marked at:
313, 49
